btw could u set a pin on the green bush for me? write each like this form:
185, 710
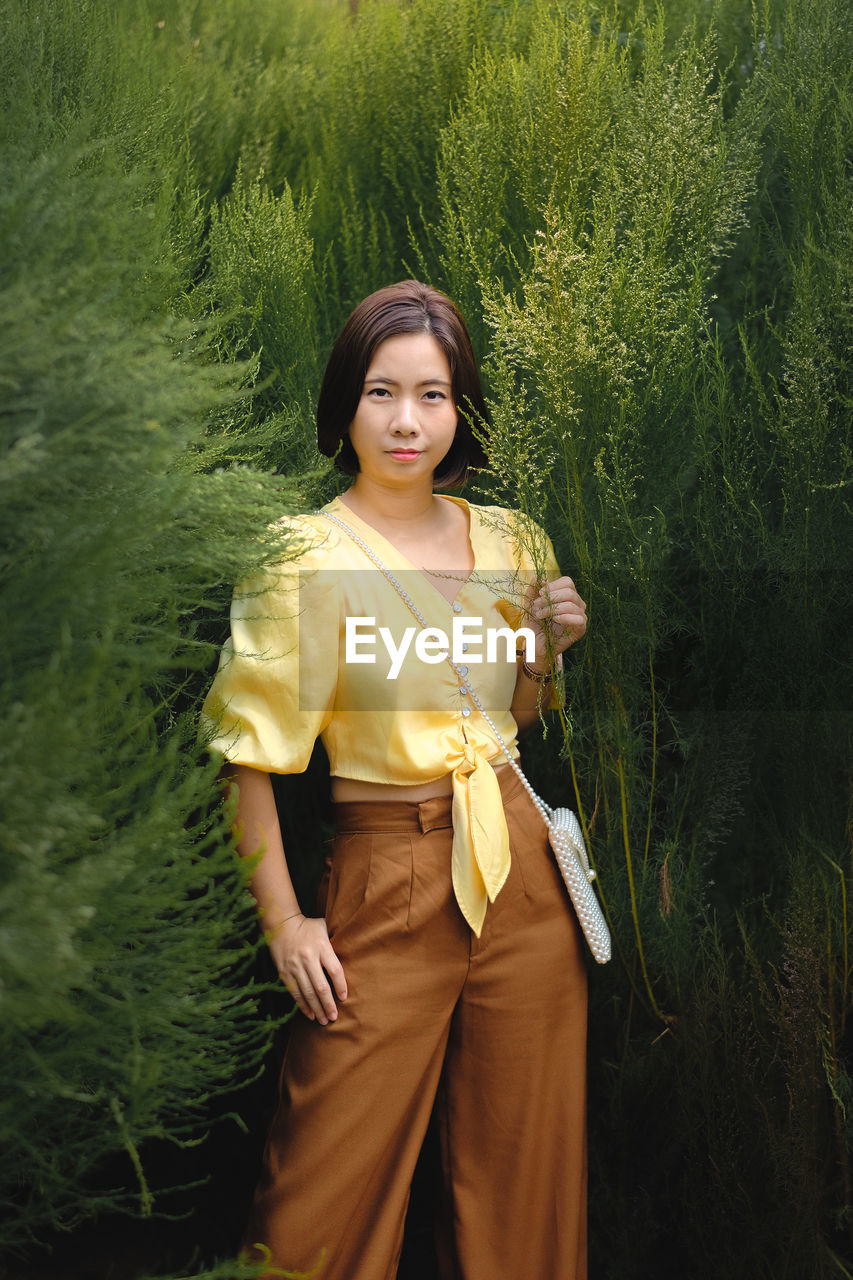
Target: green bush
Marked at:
126, 1004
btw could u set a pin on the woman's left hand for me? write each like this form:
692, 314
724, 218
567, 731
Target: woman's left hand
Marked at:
557, 611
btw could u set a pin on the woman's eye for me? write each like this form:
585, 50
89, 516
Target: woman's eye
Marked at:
435, 395
378, 393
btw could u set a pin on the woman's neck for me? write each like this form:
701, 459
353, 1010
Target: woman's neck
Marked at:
433, 534
378, 505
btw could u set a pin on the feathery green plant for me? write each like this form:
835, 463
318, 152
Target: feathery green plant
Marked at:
126, 1004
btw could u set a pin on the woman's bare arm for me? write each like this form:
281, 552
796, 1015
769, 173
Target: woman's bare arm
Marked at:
299, 944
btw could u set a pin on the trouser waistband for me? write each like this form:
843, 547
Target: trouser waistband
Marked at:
412, 815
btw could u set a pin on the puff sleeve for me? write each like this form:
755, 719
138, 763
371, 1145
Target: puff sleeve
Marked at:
274, 691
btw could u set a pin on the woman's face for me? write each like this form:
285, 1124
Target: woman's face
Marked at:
406, 417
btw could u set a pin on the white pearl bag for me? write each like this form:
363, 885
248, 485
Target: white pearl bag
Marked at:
564, 831
566, 840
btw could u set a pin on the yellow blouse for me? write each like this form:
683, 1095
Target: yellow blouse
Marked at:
318, 647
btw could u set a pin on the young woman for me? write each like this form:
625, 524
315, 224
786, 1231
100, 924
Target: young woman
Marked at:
447, 962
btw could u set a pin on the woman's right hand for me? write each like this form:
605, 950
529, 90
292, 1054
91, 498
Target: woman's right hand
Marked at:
306, 963
299, 944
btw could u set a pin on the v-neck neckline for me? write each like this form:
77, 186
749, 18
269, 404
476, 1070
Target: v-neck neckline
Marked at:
345, 513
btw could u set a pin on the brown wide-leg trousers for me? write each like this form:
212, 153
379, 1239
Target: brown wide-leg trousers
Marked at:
496, 1026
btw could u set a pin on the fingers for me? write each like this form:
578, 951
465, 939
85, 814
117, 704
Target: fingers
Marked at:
306, 961
313, 995
335, 970
558, 606
549, 595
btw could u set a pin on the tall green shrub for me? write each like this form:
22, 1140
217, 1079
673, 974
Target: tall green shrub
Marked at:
261, 275
125, 1004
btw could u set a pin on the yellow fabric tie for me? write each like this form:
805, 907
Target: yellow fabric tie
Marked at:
480, 858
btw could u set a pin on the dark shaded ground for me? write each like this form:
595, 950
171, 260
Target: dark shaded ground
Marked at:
120, 1248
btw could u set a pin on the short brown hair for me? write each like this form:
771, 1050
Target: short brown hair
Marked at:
406, 307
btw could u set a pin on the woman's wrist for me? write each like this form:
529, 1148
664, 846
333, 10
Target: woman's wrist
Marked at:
537, 671
540, 670
273, 919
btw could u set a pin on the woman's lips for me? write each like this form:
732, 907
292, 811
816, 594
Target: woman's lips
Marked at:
404, 454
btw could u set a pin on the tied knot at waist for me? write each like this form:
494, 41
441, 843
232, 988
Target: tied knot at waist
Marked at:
480, 858
437, 812
480, 855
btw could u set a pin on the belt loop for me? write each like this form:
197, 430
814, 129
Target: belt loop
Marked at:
434, 813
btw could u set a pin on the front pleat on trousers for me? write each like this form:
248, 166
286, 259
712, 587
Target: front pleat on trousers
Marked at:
495, 1027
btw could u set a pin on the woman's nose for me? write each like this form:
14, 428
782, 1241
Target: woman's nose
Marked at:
405, 419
